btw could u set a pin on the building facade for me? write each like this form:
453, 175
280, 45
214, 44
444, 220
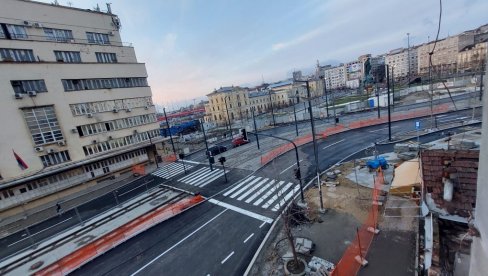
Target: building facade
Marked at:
473, 58
401, 61
445, 56
335, 76
78, 104
227, 104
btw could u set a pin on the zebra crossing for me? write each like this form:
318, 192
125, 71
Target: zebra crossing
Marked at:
171, 170
202, 177
263, 192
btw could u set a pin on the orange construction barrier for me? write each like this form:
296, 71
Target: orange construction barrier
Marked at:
355, 255
170, 158
90, 251
139, 169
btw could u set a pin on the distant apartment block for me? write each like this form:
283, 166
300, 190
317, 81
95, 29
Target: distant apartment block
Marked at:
401, 61
75, 105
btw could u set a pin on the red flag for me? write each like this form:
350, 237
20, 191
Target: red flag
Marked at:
20, 162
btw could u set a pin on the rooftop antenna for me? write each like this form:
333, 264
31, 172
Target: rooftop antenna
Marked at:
97, 8
109, 9
70, 4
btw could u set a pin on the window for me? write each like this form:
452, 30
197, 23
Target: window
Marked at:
23, 86
90, 84
17, 55
119, 142
108, 106
58, 34
43, 124
2, 34
97, 38
55, 158
106, 57
16, 31
67, 56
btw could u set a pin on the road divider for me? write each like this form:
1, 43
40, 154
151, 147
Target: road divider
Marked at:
108, 241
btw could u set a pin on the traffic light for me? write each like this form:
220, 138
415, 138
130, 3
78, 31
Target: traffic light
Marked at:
222, 160
244, 134
298, 174
181, 155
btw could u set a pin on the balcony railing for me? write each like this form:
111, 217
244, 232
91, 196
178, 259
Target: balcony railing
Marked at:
67, 40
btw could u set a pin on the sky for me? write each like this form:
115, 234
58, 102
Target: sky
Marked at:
191, 47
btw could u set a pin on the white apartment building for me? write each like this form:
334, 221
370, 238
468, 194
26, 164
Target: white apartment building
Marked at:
335, 77
402, 60
75, 105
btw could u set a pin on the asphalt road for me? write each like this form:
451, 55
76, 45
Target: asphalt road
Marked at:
202, 242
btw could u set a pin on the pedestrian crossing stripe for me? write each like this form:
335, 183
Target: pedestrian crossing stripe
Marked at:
171, 170
202, 177
258, 190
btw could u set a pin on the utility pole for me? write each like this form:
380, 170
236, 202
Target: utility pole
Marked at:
169, 130
378, 100
392, 86
409, 61
295, 114
228, 117
389, 111
315, 147
255, 128
271, 103
206, 144
326, 98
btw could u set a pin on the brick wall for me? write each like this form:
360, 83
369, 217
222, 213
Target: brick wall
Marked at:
461, 167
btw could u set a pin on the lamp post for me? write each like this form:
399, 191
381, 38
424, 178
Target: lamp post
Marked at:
169, 130
206, 144
228, 118
408, 57
314, 145
295, 115
326, 98
255, 128
271, 103
389, 111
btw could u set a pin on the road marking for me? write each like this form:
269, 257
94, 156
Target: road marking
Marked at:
333, 144
294, 164
268, 193
250, 236
226, 258
237, 187
251, 198
276, 196
130, 190
252, 189
382, 129
54, 225
178, 243
261, 226
189, 161
283, 201
245, 187
240, 210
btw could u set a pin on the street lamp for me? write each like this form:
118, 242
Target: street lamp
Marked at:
228, 118
314, 144
325, 93
389, 111
271, 103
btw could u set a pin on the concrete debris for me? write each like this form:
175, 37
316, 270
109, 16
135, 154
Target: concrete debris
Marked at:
304, 245
407, 155
331, 183
337, 172
320, 267
287, 256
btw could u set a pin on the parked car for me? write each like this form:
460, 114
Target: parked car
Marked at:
239, 141
214, 150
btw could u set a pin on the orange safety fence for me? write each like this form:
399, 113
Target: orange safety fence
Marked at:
139, 169
266, 158
355, 254
106, 242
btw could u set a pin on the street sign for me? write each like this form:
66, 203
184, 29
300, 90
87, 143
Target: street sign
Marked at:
417, 125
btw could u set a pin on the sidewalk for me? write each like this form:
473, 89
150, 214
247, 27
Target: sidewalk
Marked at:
58, 248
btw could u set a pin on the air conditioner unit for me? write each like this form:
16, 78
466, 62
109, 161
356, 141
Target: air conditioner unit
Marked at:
62, 143
146, 107
135, 131
111, 33
39, 149
32, 93
115, 110
74, 130
18, 96
94, 141
128, 110
51, 151
37, 25
89, 115
110, 138
27, 23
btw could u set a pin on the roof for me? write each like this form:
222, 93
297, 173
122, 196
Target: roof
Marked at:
281, 83
254, 94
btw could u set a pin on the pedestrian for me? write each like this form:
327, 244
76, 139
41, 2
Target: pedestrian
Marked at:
58, 208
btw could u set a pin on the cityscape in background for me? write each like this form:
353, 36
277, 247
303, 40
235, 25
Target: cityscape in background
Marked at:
93, 169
